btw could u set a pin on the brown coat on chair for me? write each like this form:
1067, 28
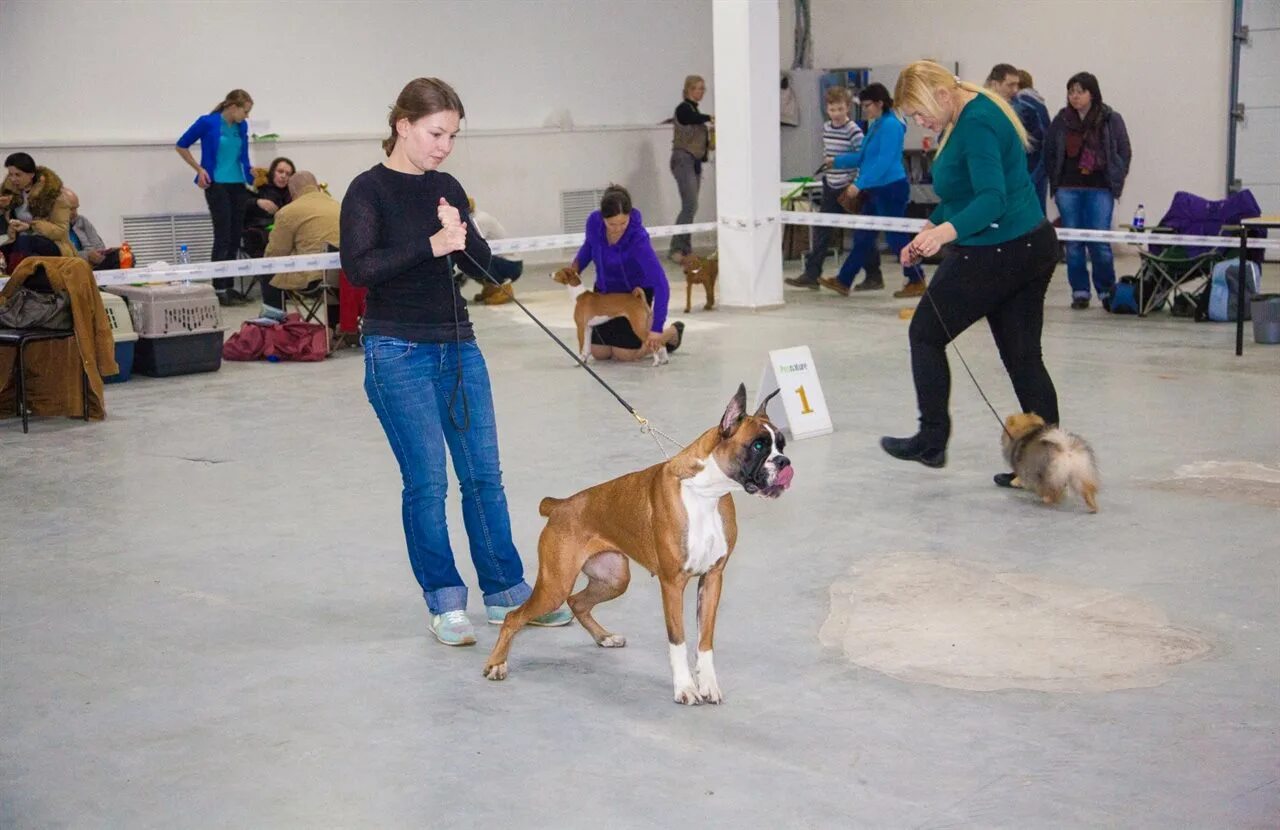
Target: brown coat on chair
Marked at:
699, 271
53, 367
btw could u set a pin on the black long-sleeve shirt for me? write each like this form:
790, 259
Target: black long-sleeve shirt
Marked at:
687, 113
388, 219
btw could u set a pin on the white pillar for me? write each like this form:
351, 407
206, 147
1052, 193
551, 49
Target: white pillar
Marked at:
747, 152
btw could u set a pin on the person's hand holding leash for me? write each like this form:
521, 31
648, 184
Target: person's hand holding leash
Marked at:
453, 235
927, 243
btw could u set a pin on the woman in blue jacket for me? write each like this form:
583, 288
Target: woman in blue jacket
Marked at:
619, 245
882, 181
223, 173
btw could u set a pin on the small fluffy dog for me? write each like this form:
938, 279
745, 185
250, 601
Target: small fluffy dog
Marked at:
704, 272
1049, 460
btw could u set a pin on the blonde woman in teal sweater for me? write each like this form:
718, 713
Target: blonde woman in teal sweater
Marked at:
1002, 255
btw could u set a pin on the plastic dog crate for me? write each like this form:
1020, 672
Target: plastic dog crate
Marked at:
122, 331
179, 328
117, 314
125, 346
166, 310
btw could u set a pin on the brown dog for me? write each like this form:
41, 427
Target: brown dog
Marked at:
704, 272
1049, 460
591, 309
676, 520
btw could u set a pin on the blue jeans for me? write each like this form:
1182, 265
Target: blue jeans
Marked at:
411, 386
888, 200
1089, 208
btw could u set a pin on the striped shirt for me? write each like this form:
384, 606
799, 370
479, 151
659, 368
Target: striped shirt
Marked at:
837, 140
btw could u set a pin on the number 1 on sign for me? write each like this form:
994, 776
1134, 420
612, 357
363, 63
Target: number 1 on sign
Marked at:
804, 402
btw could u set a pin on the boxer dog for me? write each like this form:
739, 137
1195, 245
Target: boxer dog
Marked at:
591, 309
676, 520
704, 272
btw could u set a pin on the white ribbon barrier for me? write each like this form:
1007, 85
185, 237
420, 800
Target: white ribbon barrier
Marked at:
913, 226
321, 262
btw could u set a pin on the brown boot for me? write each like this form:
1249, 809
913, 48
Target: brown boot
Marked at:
911, 289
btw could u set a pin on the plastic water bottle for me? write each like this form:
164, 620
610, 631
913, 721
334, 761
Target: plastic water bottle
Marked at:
184, 258
1140, 217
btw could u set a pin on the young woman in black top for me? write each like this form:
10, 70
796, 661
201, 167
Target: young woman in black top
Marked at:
404, 225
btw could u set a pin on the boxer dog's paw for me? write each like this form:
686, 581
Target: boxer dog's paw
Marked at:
709, 689
687, 696
612, 641
496, 672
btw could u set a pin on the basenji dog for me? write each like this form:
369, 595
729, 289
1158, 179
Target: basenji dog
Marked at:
591, 309
704, 272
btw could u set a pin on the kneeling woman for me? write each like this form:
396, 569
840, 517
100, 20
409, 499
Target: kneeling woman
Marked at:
625, 260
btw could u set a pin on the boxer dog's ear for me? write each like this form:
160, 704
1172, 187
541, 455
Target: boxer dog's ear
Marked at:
734, 412
763, 411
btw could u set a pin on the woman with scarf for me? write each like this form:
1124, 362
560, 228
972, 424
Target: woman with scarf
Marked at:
1087, 153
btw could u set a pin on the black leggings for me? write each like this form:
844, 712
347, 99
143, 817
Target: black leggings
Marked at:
227, 203
1005, 283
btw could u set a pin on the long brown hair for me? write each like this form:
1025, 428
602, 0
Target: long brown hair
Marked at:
419, 98
235, 98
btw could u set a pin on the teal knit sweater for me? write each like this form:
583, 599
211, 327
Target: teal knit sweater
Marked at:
981, 178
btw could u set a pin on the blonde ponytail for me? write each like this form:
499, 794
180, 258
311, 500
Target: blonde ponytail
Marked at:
915, 89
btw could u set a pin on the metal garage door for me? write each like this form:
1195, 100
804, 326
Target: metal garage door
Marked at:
1255, 162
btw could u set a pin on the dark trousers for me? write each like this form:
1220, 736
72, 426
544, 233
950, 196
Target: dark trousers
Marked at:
273, 296
227, 204
822, 240
886, 200
1005, 283
688, 173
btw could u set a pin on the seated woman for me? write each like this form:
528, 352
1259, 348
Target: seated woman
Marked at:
260, 212
625, 260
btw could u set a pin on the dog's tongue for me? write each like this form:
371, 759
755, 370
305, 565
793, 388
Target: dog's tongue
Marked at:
784, 477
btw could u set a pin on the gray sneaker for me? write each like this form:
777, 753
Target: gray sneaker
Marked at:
453, 628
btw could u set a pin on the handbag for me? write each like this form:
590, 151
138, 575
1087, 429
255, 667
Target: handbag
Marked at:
27, 309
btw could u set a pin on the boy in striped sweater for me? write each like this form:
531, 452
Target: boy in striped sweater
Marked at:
840, 135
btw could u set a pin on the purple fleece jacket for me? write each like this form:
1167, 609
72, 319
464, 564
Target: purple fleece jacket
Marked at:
628, 265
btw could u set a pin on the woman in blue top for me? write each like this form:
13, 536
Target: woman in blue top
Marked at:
882, 181
223, 173
619, 246
1002, 256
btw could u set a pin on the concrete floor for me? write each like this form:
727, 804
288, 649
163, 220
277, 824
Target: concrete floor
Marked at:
207, 620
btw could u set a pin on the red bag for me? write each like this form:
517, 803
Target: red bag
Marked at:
296, 340
290, 340
247, 344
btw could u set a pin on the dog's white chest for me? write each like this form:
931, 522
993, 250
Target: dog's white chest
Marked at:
705, 542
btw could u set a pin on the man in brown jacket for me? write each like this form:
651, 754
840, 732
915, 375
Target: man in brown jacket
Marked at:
307, 225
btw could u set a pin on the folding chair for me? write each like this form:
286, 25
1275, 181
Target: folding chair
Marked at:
314, 300
1164, 276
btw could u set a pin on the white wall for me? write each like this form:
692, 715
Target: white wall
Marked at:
324, 74
1164, 66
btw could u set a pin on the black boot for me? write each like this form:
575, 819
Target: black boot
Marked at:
915, 449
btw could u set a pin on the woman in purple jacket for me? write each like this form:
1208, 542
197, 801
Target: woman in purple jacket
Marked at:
619, 246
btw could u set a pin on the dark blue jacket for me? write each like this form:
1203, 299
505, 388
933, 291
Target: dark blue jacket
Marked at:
207, 129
